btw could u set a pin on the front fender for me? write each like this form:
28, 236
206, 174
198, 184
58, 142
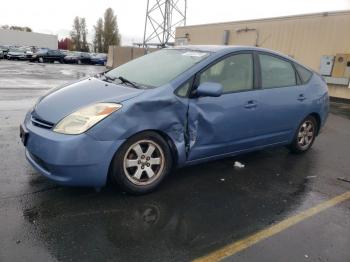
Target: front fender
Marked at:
162, 112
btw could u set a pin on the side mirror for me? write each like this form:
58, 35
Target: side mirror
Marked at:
209, 89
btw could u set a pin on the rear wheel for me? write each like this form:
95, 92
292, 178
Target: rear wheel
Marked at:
305, 135
141, 163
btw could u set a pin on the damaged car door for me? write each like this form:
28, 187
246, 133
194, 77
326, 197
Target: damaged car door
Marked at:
219, 125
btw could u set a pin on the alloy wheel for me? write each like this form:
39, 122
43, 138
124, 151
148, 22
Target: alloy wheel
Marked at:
143, 162
306, 134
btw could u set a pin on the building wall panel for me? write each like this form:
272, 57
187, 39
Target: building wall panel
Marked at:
18, 38
305, 37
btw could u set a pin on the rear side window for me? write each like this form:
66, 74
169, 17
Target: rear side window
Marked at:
304, 73
276, 72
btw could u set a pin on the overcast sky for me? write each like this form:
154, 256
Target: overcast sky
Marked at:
56, 17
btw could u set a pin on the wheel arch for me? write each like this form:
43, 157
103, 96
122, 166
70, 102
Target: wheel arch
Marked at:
167, 138
164, 135
318, 120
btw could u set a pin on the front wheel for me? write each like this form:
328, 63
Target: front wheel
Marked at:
141, 163
305, 135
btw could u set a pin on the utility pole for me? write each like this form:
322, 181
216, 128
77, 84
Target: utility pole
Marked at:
162, 18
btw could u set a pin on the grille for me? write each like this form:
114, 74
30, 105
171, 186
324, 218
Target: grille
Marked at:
41, 123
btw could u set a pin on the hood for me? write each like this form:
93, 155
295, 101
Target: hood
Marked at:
15, 53
63, 101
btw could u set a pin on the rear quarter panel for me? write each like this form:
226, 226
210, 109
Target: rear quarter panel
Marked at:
316, 92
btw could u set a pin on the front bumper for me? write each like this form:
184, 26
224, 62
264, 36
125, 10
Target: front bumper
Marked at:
16, 57
73, 160
97, 62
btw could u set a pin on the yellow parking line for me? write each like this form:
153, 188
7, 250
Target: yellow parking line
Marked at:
244, 243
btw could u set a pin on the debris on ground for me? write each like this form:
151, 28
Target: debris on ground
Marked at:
343, 179
238, 164
222, 179
18, 241
308, 177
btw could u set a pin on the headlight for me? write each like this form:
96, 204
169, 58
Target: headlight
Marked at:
83, 119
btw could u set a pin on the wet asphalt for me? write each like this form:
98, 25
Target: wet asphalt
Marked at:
195, 211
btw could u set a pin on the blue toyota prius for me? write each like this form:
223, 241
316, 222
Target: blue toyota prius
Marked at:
172, 108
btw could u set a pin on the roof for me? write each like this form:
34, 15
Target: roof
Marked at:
219, 48
232, 48
206, 48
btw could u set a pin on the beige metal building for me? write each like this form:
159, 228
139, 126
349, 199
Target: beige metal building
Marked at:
307, 38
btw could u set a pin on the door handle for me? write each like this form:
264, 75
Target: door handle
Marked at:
250, 104
301, 97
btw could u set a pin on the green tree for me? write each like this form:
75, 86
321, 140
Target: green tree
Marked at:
17, 28
98, 39
84, 32
79, 34
110, 30
76, 34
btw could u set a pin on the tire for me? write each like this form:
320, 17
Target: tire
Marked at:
137, 152
304, 136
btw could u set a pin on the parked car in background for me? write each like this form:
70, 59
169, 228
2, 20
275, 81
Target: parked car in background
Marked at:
28, 52
173, 107
66, 52
16, 53
4, 50
48, 55
77, 58
98, 59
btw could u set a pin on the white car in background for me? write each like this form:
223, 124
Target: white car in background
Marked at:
28, 52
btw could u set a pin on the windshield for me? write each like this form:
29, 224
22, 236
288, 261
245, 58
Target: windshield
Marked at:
99, 55
16, 50
158, 68
73, 54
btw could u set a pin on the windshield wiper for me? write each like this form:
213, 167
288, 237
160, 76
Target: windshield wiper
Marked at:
108, 78
124, 80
